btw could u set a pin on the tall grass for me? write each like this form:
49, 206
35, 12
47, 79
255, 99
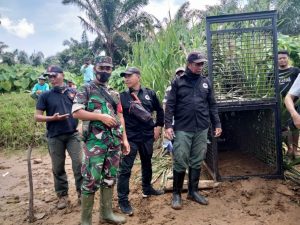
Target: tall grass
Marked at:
159, 57
17, 126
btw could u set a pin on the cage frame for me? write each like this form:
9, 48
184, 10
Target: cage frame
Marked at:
273, 104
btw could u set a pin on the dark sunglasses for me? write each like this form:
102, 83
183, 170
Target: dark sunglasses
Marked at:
52, 75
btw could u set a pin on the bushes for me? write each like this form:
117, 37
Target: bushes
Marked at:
17, 126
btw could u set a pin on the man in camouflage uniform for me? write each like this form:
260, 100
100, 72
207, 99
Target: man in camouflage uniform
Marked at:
100, 107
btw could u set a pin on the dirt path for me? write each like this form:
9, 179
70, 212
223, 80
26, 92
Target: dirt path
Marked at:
249, 202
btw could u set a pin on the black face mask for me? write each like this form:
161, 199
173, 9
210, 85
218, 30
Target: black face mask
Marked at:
102, 76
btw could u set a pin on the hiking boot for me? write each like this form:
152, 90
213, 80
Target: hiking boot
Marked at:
151, 191
62, 202
126, 208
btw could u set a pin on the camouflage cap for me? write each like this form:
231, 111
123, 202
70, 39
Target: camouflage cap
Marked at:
104, 61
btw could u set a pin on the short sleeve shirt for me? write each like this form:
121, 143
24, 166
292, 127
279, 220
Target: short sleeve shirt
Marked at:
53, 102
295, 89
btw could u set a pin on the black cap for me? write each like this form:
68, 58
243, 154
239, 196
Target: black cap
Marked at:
53, 70
130, 70
196, 57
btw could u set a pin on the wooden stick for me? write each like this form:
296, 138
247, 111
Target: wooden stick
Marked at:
31, 213
203, 184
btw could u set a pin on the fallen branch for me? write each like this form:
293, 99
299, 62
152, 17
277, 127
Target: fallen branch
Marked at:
203, 184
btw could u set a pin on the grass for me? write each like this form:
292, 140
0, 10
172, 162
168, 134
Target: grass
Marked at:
18, 129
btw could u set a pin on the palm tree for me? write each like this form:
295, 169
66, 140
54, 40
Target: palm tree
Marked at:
112, 21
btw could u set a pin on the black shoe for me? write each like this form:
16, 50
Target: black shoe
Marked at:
152, 191
126, 208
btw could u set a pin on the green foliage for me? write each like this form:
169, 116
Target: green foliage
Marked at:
113, 22
18, 77
17, 126
116, 81
292, 45
158, 58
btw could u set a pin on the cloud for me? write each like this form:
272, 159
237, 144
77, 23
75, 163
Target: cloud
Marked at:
21, 29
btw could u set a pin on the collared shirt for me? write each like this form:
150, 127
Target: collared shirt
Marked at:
135, 129
192, 103
88, 73
53, 102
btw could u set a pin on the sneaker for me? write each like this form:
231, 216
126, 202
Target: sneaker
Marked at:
152, 191
126, 208
62, 202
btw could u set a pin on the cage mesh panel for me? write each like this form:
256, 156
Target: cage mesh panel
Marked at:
243, 64
250, 131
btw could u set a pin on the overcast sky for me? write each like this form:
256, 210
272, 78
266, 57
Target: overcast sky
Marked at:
37, 25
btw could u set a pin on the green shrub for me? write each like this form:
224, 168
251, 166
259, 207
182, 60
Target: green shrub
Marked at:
17, 126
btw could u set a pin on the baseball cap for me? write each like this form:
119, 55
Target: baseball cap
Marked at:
41, 77
196, 57
53, 70
130, 70
104, 61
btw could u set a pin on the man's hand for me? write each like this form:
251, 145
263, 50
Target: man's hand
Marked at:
125, 148
38, 92
108, 120
296, 119
157, 132
57, 116
169, 133
218, 132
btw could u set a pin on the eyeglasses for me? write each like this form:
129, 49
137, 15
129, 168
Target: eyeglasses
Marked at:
106, 68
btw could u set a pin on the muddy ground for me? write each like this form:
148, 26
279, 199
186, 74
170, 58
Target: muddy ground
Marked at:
249, 202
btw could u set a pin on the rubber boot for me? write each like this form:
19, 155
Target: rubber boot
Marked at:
106, 212
194, 176
87, 202
178, 179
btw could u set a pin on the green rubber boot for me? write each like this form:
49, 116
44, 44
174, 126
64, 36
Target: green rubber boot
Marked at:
87, 202
106, 212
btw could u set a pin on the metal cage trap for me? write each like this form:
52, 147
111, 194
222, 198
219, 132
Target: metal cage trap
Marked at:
242, 64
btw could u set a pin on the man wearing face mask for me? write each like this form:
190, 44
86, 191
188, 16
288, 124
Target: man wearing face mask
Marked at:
100, 106
61, 132
192, 104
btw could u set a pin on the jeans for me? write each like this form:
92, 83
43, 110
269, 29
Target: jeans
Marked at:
57, 149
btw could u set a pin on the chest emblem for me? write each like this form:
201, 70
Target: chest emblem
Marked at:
205, 85
147, 97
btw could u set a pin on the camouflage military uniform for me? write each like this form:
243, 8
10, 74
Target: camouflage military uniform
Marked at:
102, 147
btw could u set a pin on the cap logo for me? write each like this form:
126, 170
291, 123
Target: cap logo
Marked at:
205, 85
